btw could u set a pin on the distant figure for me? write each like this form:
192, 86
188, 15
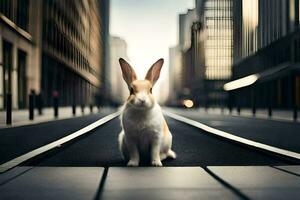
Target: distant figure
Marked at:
145, 132
55, 94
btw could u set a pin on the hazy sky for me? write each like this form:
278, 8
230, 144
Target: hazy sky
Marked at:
149, 28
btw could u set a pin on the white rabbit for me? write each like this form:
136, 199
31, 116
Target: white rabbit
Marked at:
145, 131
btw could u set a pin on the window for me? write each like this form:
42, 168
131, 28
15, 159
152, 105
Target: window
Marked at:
6, 8
218, 43
23, 14
17, 11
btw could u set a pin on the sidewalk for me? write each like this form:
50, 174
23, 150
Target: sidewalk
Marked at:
278, 115
213, 182
21, 117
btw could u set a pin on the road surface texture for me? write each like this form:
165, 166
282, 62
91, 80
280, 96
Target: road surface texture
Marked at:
193, 147
280, 134
19, 140
91, 166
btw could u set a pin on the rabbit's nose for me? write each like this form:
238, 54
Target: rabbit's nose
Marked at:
142, 101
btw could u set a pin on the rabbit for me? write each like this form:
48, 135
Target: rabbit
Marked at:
144, 129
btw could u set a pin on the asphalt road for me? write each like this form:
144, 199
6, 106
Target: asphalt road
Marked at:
193, 147
19, 140
285, 135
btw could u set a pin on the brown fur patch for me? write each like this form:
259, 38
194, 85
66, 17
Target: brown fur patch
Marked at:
140, 86
165, 128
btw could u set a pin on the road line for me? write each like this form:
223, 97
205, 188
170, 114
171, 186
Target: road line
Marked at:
232, 137
16, 161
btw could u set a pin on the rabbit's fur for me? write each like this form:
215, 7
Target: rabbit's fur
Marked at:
145, 132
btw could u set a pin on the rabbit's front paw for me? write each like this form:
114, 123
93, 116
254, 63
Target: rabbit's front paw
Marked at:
156, 163
133, 163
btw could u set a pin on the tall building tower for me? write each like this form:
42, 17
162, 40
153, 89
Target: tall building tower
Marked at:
186, 21
20, 50
104, 95
206, 42
72, 49
175, 75
52, 46
266, 47
118, 88
217, 28
210, 54
218, 45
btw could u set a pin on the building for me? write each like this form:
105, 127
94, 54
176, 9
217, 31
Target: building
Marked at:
179, 60
185, 41
104, 7
175, 72
207, 57
20, 51
52, 46
186, 21
72, 51
195, 74
266, 54
206, 53
218, 33
118, 88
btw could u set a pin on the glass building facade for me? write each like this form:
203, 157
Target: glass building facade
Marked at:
52, 47
17, 11
218, 44
249, 27
213, 44
207, 62
266, 34
71, 50
258, 23
17, 44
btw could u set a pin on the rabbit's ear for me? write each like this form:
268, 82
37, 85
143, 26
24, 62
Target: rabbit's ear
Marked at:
129, 74
154, 72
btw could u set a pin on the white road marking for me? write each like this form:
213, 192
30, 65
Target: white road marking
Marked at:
16, 161
232, 137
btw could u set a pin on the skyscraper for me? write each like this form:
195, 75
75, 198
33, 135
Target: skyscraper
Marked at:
72, 58
206, 45
52, 46
118, 88
175, 74
20, 39
207, 63
186, 21
266, 47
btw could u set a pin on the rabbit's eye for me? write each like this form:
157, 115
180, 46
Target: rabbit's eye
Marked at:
131, 90
151, 90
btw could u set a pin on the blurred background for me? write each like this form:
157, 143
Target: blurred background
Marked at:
218, 53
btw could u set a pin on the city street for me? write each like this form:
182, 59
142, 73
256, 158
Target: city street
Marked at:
19, 140
194, 147
222, 76
96, 151
282, 134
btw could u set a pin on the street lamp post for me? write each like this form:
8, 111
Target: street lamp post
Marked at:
31, 105
8, 108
